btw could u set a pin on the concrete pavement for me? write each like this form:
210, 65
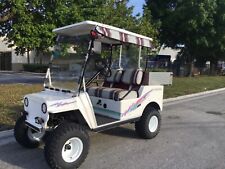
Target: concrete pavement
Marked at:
192, 137
23, 77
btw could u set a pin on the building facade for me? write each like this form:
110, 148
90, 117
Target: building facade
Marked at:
10, 61
167, 51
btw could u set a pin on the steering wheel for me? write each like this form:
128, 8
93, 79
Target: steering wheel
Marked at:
106, 71
103, 68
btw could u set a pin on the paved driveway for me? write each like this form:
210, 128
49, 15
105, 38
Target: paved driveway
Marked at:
192, 137
13, 77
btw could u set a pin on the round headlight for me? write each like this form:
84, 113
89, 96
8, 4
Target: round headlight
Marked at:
26, 102
44, 108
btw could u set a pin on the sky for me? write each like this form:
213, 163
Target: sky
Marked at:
138, 4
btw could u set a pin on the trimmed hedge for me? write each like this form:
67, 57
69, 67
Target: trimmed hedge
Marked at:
38, 68
157, 70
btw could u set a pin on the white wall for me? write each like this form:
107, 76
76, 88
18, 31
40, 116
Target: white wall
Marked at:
3, 46
15, 58
169, 51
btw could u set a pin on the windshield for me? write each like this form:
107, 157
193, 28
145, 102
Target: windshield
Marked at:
68, 59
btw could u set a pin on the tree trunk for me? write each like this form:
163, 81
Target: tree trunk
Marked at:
191, 68
41, 59
28, 56
213, 64
6, 17
38, 56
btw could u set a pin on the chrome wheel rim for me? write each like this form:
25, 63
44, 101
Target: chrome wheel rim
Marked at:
153, 124
35, 136
72, 149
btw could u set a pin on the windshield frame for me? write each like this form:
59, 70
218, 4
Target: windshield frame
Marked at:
81, 74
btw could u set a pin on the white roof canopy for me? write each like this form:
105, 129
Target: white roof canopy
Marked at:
114, 35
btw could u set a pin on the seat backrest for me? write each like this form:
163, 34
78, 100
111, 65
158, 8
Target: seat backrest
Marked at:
110, 79
114, 78
127, 77
124, 79
132, 77
138, 77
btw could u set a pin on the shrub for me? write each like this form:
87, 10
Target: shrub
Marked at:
157, 70
39, 68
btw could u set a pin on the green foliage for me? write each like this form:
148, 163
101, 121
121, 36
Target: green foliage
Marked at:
147, 27
5, 14
28, 24
199, 25
32, 22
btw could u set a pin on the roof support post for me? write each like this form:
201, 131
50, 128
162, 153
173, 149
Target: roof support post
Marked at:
139, 57
48, 76
120, 59
81, 79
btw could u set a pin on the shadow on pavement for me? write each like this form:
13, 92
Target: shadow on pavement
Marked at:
215, 113
122, 132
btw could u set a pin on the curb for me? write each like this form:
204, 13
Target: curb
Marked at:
6, 71
33, 73
205, 93
8, 133
22, 72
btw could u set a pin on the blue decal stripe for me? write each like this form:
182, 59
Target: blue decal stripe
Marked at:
106, 112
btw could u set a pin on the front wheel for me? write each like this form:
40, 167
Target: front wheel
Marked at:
149, 124
68, 146
26, 136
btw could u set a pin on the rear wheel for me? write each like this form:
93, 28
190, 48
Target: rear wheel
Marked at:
68, 146
149, 124
26, 136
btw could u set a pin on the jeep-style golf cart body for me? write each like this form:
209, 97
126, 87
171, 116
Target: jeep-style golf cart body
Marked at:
77, 98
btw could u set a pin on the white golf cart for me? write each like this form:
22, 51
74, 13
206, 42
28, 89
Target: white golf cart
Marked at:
94, 91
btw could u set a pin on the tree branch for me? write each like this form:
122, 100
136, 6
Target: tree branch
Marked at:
6, 17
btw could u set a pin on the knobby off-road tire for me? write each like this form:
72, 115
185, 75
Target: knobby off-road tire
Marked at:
149, 124
26, 136
68, 146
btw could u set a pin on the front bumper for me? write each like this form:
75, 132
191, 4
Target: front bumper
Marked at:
35, 128
34, 122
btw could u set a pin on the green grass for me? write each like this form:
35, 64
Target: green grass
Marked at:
183, 86
11, 96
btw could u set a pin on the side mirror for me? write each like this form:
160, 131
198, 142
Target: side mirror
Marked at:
97, 47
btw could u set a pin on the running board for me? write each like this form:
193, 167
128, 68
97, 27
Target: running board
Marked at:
115, 124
